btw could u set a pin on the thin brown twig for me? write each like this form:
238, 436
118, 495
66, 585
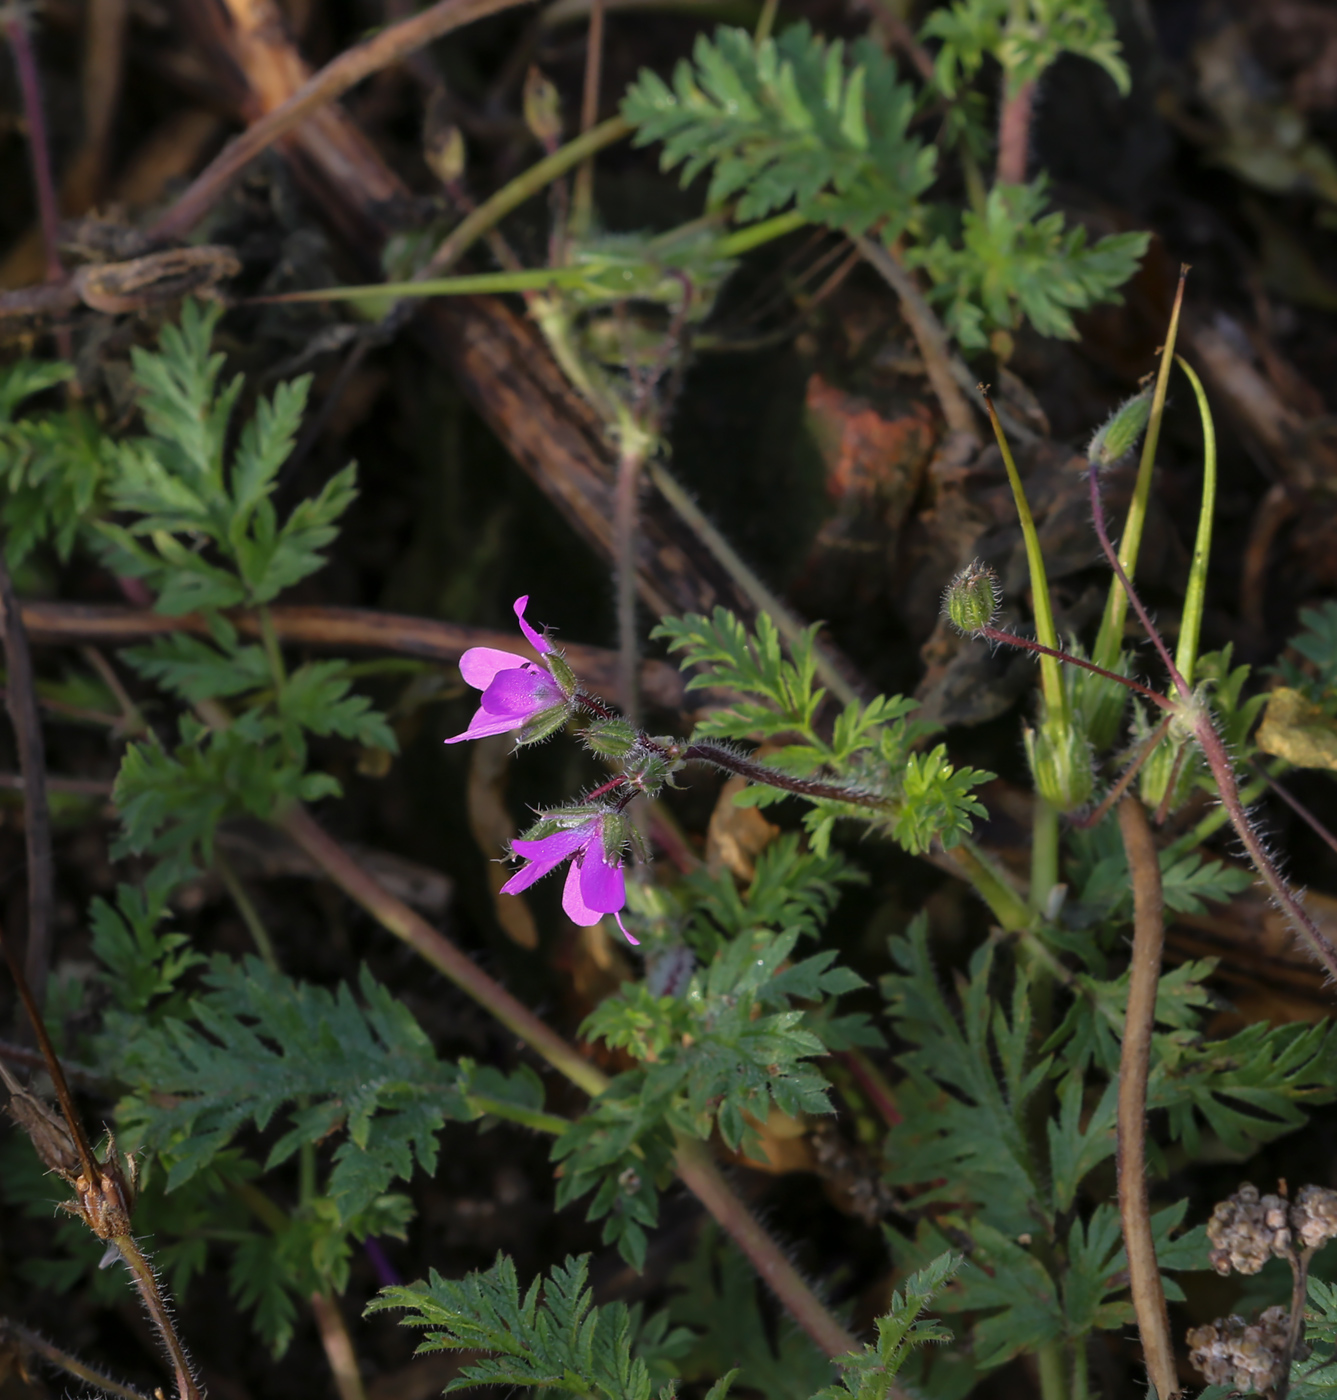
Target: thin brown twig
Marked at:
331, 82
1014, 135
63, 1361
1127, 776
1144, 1276
21, 698
1295, 1333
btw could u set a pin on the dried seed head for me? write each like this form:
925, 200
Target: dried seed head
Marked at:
1246, 1229
1240, 1355
1314, 1216
1118, 435
972, 598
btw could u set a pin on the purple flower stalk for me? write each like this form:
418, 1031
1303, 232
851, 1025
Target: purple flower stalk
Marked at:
594, 881
515, 691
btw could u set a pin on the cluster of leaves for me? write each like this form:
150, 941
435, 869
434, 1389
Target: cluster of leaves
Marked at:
1317, 644
554, 1338
785, 122
1015, 262
203, 532
1051, 1269
721, 1047
915, 797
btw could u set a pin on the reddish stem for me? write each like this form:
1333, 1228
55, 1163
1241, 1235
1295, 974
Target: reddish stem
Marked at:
1027, 644
1014, 135
30, 89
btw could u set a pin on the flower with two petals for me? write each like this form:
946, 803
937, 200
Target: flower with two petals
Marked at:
595, 885
518, 694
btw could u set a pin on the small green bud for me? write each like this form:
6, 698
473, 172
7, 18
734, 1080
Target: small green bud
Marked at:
610, 738
561, 672
544, 723
1118, 435
543, 110
972, 598
1060, 760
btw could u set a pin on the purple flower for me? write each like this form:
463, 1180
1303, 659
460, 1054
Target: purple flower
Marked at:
594, 882
514, 690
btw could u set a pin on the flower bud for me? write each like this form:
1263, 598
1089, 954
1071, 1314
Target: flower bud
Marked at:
1060, 759
543, 110
610, 738
972, 598
544, 723
561, 672
1118, 435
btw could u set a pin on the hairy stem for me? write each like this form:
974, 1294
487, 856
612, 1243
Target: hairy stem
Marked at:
1144, 1275
693, 1161
388, 46
973, 866
146, 1281
1027, 644
63, 1361
21, 697
707, 752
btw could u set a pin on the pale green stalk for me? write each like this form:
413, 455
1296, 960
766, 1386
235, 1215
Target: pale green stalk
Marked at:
1109, 640
1195, 598
1044, 852
1050, 1359
1051, 682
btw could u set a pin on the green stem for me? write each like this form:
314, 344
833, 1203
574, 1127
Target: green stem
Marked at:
63, 1361
1044, 853
250, 916
766, 22
1195, 598
273, 652
1218, 816
980, 872
536, 279
1050, 1359
514, 1113
1051, 682
525, 185
1080, 1384
1109, 640
733, 245
146, 1281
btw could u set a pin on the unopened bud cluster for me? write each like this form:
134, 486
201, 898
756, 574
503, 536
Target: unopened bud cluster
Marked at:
1247, 1229
972, 599
1243, 1356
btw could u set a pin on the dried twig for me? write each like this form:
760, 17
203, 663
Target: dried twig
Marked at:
1144, 1276
21, 699
1014, 135
582, 212
338, 1347
387, 47
30, 89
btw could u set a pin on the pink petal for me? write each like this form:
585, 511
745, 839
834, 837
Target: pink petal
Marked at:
479, 665
535, 640
483, 724
523, 692
636, 942
576, 909
601, 884
544, 855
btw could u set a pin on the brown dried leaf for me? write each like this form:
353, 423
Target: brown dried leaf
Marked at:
1298, 731
157, 277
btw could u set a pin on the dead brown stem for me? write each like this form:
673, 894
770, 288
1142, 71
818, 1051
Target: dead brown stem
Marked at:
115, 624
1144, 1277
351, 67
21, 699
103, 69
582, 212
1295, 1333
